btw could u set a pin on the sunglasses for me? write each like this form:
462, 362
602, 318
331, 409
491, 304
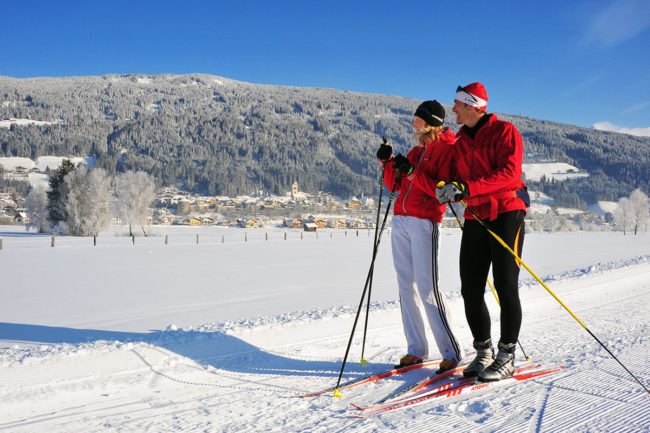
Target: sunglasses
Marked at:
462, 89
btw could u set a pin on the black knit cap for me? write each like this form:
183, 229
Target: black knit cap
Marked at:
431, 112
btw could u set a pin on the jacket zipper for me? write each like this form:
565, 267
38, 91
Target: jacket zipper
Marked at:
408, 190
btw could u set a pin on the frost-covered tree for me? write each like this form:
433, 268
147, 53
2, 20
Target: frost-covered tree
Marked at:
135, 191
639, 204
624, 214
36, 204
88, 201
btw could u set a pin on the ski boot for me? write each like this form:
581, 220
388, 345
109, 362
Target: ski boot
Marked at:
446, 365
409, 360
503, 366
484, 357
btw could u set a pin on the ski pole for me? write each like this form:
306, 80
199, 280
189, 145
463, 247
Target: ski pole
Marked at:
337, 393
365, 327
526, 357
539, 280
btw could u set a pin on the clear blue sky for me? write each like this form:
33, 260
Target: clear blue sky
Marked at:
579, 62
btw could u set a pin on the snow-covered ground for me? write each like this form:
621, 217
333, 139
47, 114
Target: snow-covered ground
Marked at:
221, 335
6, 123
10, 163
552, 170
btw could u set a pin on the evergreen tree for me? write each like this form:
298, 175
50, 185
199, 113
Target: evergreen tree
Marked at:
57, 194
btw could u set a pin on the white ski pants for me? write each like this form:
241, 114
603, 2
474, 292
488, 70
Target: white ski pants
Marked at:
415, 255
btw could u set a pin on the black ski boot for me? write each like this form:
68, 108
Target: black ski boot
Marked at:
503, 366
484, 357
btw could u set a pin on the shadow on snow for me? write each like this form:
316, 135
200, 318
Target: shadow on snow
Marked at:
214, 349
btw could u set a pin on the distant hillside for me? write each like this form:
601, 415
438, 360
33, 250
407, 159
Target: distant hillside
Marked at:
218, 136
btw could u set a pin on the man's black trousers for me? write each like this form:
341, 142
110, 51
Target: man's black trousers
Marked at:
479, 250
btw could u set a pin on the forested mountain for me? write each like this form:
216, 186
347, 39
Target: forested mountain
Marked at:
218, 136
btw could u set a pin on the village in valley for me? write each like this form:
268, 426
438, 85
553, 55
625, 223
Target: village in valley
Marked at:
294, 209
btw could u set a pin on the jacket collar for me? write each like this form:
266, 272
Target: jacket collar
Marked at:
487, 118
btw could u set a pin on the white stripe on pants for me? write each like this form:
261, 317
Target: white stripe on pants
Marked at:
415, 255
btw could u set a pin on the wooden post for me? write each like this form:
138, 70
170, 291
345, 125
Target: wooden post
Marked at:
52, 242
222, 239
267, 236
197, 239
0, 243
245, 237
331, 235
285, 236
357, 233
133, 239
300, 235
94, 240
166, 239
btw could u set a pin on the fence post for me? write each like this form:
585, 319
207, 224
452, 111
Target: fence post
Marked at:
197, 239
357, 233
222, 239
52, 242
300, 235
133, 239
0, 243
267, 236
166, 239
94, 240
285, 236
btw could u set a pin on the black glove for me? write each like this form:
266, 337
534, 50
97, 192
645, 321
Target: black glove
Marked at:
403, 165
385, 151
452, 191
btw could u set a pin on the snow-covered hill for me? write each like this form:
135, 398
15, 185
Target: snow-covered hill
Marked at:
221, 337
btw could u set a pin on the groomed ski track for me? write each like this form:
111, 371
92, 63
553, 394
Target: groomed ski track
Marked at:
246, 378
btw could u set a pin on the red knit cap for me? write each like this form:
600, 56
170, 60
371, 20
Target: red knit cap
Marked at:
473, 94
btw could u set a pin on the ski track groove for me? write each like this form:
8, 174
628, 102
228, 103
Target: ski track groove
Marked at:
181, 396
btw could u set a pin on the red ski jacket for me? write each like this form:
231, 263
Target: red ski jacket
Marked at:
490, 164
417, 192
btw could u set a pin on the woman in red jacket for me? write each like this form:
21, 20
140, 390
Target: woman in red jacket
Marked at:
415, 234
488, 157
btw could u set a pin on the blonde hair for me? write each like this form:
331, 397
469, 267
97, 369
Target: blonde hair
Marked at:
428, 133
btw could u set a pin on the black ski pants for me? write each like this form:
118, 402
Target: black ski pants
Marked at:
479, 250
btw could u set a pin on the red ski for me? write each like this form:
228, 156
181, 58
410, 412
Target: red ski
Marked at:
356, 382
455, 389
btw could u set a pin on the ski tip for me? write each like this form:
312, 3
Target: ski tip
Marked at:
529, 359
363, 361
337, 393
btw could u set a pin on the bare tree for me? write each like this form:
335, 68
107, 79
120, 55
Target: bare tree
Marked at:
624, 214
135, 191
36, 203
639, 203
88, 201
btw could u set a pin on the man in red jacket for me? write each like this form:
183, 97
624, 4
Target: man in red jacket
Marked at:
488, 157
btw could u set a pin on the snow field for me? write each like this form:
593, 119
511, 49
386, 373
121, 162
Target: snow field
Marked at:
222, 337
